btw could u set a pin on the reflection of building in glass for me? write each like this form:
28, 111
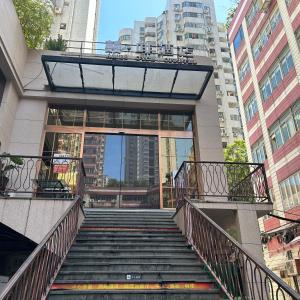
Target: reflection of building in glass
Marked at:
93, 155
169, 162
141, 161
62, 143
174, 153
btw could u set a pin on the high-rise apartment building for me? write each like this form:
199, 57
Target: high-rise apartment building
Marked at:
76, 20
194, 24
265, 39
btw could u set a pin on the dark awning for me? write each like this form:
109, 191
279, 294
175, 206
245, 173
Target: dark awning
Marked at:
126, 77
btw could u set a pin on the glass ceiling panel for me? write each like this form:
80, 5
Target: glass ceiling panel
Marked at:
65, 74
126, 78
189, 82
97, 76
129, 79
159, 80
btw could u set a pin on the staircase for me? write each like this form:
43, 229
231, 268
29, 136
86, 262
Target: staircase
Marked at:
120, 254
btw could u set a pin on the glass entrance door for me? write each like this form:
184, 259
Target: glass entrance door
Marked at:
122, 171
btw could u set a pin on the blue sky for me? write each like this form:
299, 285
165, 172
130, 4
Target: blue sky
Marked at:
117, 14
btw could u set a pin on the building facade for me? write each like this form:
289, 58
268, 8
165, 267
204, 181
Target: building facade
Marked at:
194, 24
265, 39
76, 20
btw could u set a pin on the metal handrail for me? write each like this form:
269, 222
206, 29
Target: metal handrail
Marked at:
209, 180
41, 176
213, 162
240, 275
35, 276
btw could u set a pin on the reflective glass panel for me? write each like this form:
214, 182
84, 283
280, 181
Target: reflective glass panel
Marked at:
189, 82
97, 76
129, 79
123, 171
174, 152
65, 74
159, 80
65, 117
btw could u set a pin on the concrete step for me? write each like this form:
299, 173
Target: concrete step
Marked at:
131, 226
131, 267
128, 233
137, 259
130, 218
128, 246
133, 221
129, 240
212, 294
144, 276
133, 253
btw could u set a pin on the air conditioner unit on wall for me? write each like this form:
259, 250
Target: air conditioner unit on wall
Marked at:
293, 267
57, 10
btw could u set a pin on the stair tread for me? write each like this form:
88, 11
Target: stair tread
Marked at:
170, 291
89, 281
112, 244
200, 271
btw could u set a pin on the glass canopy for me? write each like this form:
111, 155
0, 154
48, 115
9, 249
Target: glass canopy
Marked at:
126, 77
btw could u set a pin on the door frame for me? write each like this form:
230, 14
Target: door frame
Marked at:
82, 130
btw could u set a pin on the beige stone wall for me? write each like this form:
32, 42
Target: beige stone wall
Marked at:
32, 218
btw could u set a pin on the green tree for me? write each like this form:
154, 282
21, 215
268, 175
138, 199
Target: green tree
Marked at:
236, 152
239, 181
230, 13
36, 19
56, 44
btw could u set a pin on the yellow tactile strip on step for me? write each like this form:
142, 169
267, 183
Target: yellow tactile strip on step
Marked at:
134, 286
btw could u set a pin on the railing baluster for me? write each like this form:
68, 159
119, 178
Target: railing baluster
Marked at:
219, 181
240, 275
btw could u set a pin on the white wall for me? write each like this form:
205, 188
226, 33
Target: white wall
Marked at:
32, 218
27, 132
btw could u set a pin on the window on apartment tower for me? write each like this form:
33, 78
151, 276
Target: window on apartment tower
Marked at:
288, 2
258, 152
254, 9
274, 77
285, 127
265, 34
238, 38
298, 36
251, 108
63, 26
244, 70
235, 117
2, 85
290, 191
192, 4
179, 38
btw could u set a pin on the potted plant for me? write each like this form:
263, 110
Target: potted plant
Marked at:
7, 163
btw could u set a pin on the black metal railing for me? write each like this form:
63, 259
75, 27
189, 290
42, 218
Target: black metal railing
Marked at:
210, 181
239, 274
115, 48
34, 278
41, 176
